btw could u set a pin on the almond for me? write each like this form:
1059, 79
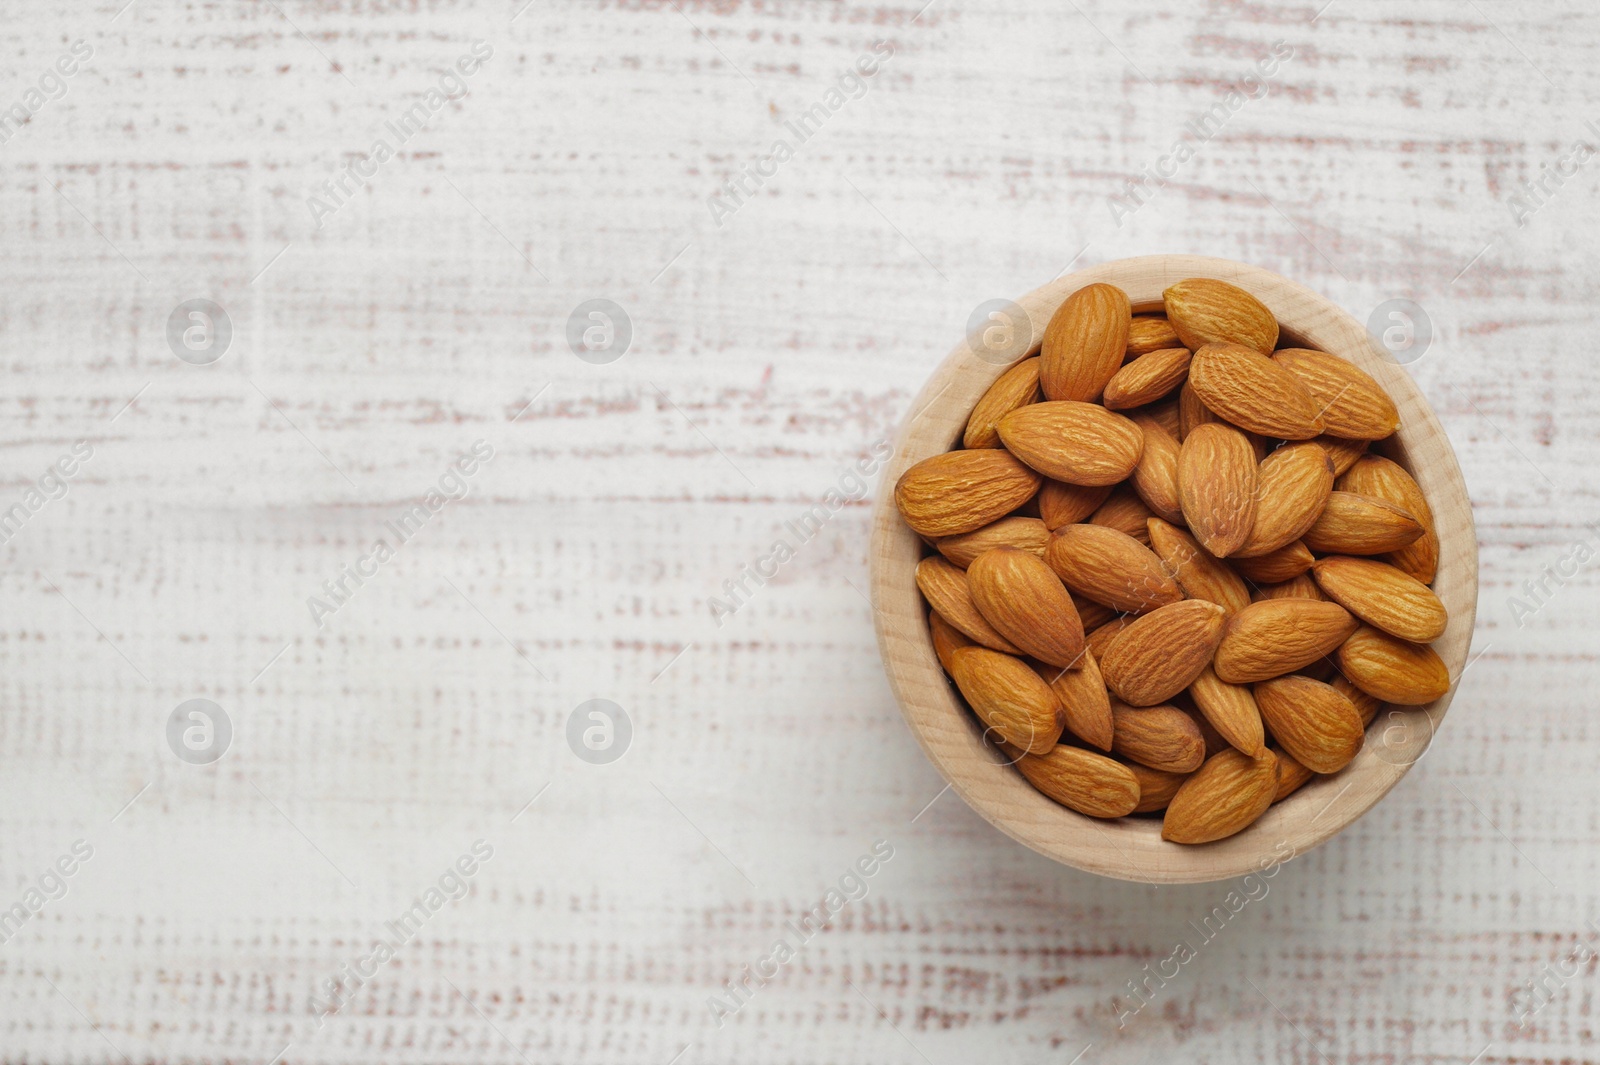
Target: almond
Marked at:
1026, 603
1373, 475
1166, 416
1278, 636
1148, 333
947, 590
1343, 453
1192, 413
1085, 343
946, 638
1009, 697
1354, 524
1251, 391
1352, 404
1155, 479
1080, 443
1217, 487
1067, 504
1084, 700
1365, 704
1017, 387
1125, 512
959, 491
1080, 780
1213, 738
1206, 311
1161, 653
1393, 670
1111, 568
1025, 534
1147, 378
1100, 638
1383, 596
1301, 587
1231, 709
1313, 722
1274, 567
1161, 737
1156, 787
1093, 615
1292, 488
1199, 574
1291, 775
1224, 797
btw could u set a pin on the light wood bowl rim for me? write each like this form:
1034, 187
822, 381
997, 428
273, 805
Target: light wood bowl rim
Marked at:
1131, 848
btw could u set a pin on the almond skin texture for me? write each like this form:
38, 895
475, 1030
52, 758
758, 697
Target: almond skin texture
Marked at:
1231, 709
1125, 512
1383, 596
1026, 534
1166, 416
1161, 737
1017, 387
1111, 568
1354, 524
1393, 670
1224, 797
1147, 378
1079, 443
1161, 653
1148, 333
1343, 453
1365, 704
1192, 413
1156, 787
1100, 639
1008, 697
1203, 311
1093, 615
1292, 489
959, 491
1352, 404
1067, 504
1374, 475
1080, 780
1319, 727
1155, 479
1084, 700
1199, 574
1291, 775
947, 590
1275, 567
1085, 343
1278, 636
1301, 587
1247, 389
946, 638
1217, 487
1026, 603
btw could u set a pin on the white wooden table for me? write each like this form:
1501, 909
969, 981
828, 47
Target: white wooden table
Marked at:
775, 337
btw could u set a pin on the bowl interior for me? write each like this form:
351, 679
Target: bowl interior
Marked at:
1131, 848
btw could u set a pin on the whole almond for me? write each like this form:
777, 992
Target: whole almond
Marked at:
959, 491
1027, 604
1200, 574
1342, 453
1156, 787
1026, 534
1383, 596
1206, 311
1251, 391
1147, 378
1111, 568
946, 638
1231, 709
948, 591
1393, 670
1147, 333
1080, 780
1085, 343
1352, 404
1101, 637
1009, 697
1161, 653
1217, 487
1017, 387
1079, 443
1354, 524
1067, 504
1084, 700
1314, 723
1125, 512
1278, 636
1301, 587
1291, 775
1161, 737
1374, 475
1155, 479
1224, 797
1292, 489
1274, 567
1365, 704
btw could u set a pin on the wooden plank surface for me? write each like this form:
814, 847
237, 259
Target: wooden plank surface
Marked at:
772, 347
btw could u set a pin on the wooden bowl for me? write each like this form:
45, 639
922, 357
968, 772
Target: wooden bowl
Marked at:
1131, 848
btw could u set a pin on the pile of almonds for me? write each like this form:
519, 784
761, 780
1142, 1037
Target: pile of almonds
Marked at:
1177, 580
